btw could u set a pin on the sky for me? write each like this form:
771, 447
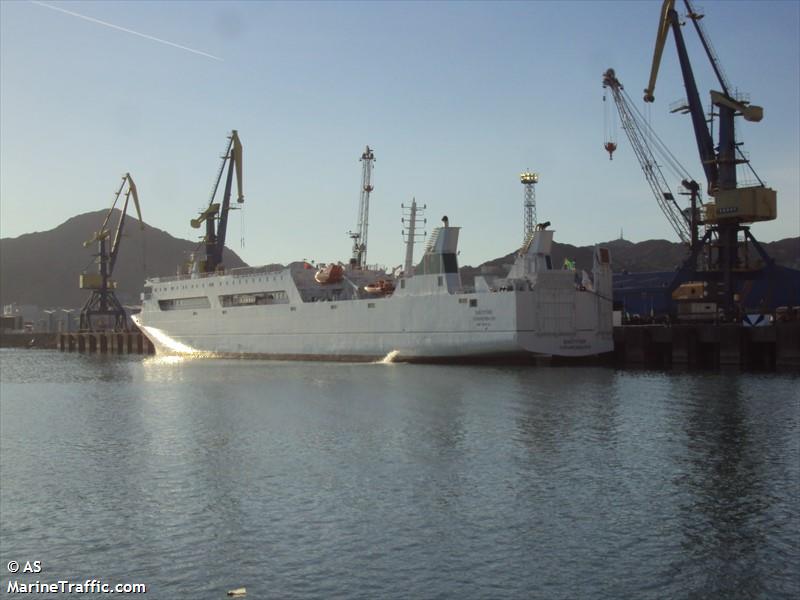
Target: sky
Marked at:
455, 98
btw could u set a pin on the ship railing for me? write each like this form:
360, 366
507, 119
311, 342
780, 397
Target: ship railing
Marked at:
377, 268
238, 272
181, 277
248, 271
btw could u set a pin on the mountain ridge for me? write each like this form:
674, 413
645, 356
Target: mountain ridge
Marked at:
59, 253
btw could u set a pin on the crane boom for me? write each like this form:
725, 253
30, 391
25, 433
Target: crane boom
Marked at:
705, 144
644, 153
131, 193
750, 112
695, 17
661, 38
103, 233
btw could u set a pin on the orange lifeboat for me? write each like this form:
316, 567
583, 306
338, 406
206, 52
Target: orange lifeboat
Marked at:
381, 286
329, 274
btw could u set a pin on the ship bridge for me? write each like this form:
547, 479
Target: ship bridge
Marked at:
437, 272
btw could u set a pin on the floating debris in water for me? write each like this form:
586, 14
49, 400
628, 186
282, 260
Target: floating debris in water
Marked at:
238, 592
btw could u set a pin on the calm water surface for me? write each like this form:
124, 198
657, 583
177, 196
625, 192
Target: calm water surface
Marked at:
301, 480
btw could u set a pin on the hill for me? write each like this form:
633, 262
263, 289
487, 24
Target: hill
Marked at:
42, 268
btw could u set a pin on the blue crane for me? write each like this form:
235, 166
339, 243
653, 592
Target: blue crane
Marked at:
733, 206
103, 302
215, 215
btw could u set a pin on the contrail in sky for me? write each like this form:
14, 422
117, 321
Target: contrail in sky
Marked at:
144, 35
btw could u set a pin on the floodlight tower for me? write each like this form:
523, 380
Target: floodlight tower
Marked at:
359, 237
529, 180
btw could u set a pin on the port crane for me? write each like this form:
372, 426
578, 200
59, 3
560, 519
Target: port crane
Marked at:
359, 237
733, 207
215, 216
103, 302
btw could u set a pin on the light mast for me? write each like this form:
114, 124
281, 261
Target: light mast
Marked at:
529, 180
359, 237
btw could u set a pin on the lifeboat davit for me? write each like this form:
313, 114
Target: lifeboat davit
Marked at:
381, 286
329, 274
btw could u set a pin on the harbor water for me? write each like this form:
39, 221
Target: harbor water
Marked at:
321, 480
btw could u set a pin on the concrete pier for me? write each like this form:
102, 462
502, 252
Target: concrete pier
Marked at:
709, 346
126, 342
775, 347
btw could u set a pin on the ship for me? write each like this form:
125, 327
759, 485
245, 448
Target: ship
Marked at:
353, 312
422, 315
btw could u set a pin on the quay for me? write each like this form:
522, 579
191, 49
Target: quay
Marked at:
19, 339
708, 346
105, 342
695, 346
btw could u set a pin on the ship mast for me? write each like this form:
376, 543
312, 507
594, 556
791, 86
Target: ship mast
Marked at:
359, 237
411, 216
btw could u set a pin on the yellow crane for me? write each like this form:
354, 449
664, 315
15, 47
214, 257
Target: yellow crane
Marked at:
102, 301
215, 216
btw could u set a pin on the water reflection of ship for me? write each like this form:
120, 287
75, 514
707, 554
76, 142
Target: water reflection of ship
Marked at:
559, 407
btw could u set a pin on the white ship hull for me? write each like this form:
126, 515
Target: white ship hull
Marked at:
415, 328
428, 318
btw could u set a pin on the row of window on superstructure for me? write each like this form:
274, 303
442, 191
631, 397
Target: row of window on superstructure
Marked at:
226, 300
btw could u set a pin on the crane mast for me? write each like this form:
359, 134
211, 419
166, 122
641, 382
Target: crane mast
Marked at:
215, 216
359, 237
102, 301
